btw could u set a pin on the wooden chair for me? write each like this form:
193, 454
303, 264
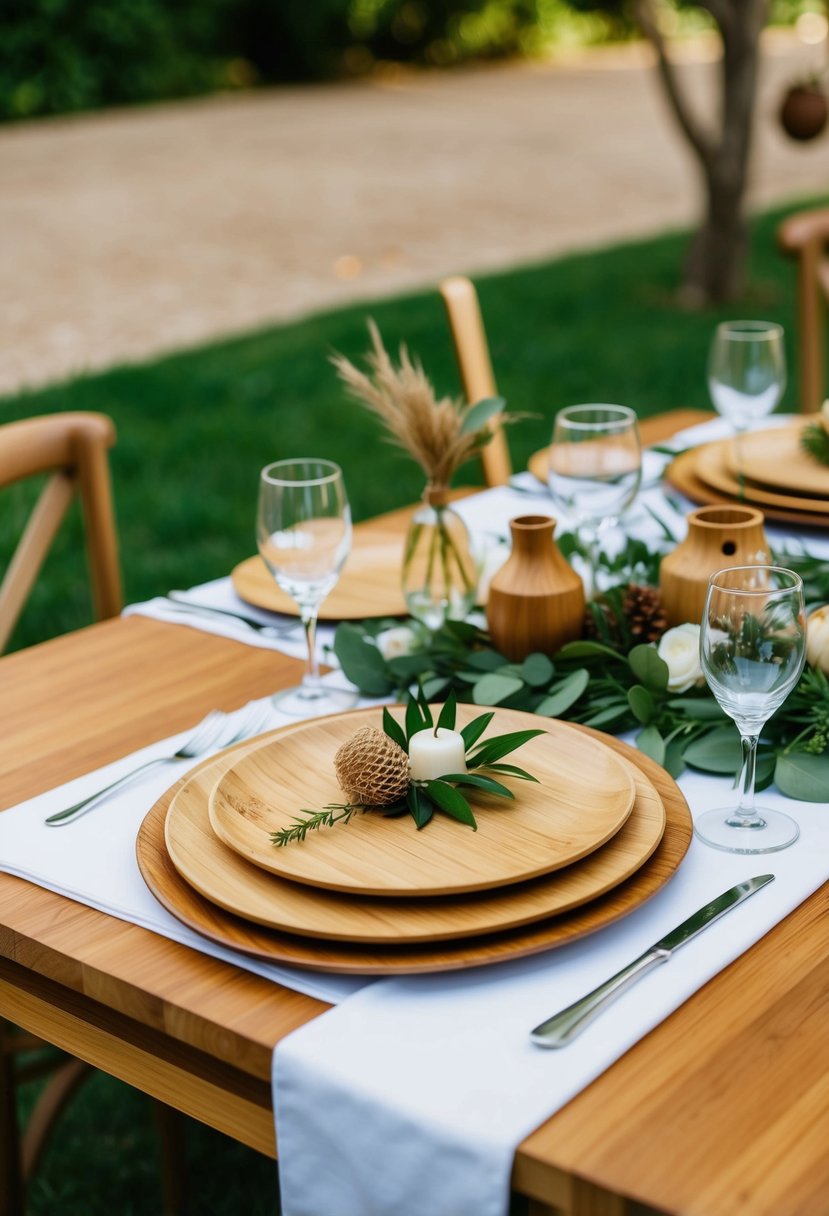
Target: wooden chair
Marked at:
72, 449
805, 237
472, 352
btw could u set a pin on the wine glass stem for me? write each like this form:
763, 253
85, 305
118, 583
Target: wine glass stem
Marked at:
745, 815
311, 678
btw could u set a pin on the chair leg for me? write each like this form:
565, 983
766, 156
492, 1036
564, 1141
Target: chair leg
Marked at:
11, 1180
61, 1086
171, 1127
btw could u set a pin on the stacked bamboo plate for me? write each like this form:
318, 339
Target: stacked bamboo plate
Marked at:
767, 469
602, 830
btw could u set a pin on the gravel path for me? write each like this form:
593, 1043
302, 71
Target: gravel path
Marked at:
134, 232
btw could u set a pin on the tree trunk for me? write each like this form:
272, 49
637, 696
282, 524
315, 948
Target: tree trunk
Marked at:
715, 264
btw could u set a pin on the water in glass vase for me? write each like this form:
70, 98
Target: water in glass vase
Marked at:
439, 572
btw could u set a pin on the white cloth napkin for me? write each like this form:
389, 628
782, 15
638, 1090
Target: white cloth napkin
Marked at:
92, 860
411, 1096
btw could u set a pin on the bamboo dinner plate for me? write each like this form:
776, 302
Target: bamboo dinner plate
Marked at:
775, 459
683, 476
219, 926
714, 464
583, 795
368, 586
226, 879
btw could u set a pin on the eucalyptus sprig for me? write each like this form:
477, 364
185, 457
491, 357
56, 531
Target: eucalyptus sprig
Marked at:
483, 758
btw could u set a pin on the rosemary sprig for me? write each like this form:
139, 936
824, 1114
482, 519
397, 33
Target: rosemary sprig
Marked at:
326, 818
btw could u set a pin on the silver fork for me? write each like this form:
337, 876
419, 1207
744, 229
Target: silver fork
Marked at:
217, 730
176, 602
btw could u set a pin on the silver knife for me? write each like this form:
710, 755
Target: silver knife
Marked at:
563, 1027
281, 629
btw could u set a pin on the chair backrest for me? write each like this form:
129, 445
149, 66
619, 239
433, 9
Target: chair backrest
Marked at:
805, 237
472, 351
72, 448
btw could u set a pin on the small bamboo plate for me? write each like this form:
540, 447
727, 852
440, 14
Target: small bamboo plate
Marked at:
775, 459
219, 926
713, 465
583, 796
682, 475
226, 879
370, 584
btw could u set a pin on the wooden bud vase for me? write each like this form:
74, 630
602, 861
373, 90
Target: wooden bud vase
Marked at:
717, 537
536, 599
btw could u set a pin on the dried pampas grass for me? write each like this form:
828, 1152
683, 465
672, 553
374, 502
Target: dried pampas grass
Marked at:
439, 434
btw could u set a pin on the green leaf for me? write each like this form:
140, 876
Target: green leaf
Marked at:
480, 413
394, 730
424, 708
642, 704
473, 730
436, 687
421, 808
605, 716
586, 650
764, 770
406, 666
502, 745
492, 688
414, 718
564, 693
798, 775
485, 660
648, 668
674, 762
718, 751
536, 670
699, 709
446, 718
483, 783
447, 798
362, 662
511, 770
652, 744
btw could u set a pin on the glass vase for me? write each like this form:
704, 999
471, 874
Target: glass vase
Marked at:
439, 573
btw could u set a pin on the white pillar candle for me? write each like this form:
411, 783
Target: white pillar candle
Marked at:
436, 754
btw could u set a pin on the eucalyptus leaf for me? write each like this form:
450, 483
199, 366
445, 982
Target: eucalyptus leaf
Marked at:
480, 413
485, 660
362, 662
453, 803
564, 693
642, 704
652, 744
587, 650
648, 668
800, 775
435, 686
494, 688
698, 709
605, 716
718, 751
537, 670
674, 762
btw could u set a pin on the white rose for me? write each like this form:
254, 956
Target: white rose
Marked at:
393, 643
679, 648
817, 638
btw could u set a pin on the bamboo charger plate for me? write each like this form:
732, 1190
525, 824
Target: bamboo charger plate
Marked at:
682, 475
583, 796
219, 926
368, 586
713, 465
226, 879
775, 459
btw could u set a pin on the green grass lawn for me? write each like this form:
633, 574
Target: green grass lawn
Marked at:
195, 429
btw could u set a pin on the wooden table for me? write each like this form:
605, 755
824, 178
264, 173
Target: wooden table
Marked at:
723, 1109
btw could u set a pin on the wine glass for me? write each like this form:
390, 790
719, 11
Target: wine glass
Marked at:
746, 371
595, 468
752, 648
303, 531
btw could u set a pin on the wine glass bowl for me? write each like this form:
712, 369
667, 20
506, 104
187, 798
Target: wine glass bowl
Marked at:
746, 371
595, 467
303, 533
752, 650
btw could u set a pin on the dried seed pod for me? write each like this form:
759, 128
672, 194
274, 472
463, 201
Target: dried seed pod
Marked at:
372, 769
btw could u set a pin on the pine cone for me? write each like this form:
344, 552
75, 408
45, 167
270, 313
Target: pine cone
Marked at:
372, 769
644, 614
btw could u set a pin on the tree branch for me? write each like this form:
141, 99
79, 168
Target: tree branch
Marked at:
648, 22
